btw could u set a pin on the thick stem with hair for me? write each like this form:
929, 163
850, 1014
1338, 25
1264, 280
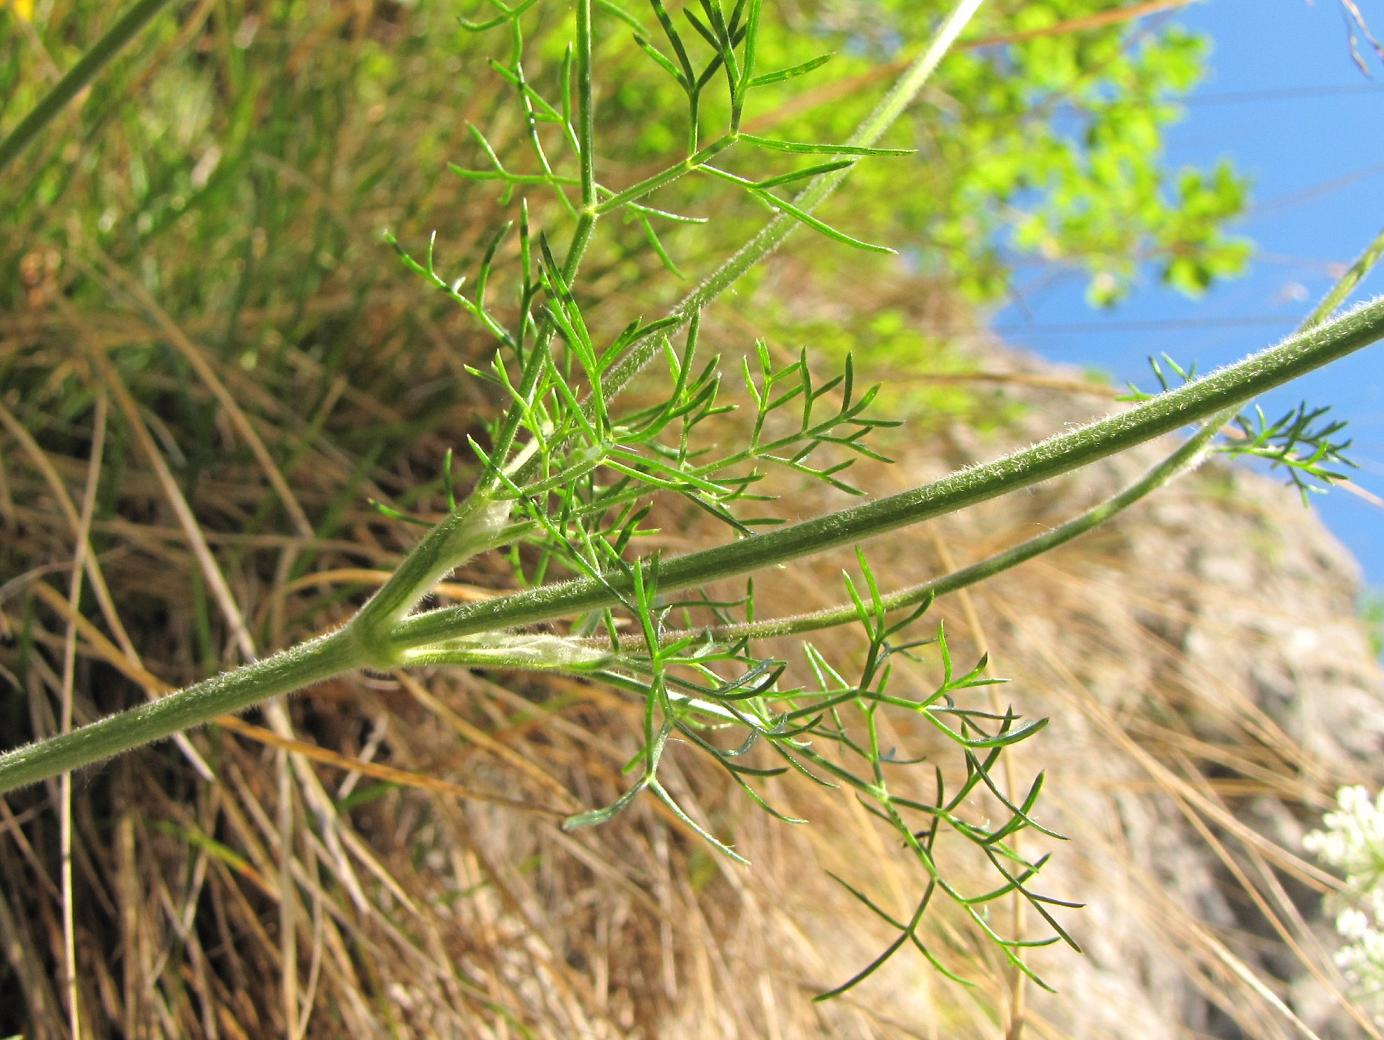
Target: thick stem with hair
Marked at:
382, 632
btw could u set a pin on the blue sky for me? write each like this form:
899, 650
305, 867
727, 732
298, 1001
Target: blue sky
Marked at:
1283, 100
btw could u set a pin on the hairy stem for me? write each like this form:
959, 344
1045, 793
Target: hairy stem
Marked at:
1185, 458
380, 631
233, 691
470, 530
1191, 403
1337, 294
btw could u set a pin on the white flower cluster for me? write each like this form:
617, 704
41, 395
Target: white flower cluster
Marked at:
1352, 841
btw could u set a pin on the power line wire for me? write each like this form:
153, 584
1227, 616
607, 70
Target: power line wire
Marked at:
1143, 324
1238, 97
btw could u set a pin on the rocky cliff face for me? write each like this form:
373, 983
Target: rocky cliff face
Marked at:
1210, 687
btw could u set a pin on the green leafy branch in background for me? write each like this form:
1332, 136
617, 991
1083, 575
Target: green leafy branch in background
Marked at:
1059, 152
568, 475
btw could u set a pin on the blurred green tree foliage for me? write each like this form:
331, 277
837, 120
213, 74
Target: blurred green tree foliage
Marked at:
1042, 137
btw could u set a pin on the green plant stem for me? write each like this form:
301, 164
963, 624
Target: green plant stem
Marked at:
586, 140
586, 115
1347, 283
470, 530
1190, 403
233, 691
1185, 458
362, 641
97, 57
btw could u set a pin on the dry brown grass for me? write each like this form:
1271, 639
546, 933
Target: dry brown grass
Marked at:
380, 856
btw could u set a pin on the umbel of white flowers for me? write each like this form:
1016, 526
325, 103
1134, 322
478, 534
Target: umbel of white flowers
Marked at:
1352, 841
